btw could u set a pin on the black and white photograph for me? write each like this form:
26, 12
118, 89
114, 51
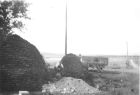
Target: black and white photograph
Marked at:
69, 47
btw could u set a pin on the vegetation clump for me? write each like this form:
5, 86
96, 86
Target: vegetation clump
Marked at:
13, 13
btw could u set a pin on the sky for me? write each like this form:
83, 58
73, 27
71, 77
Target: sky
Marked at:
95, 27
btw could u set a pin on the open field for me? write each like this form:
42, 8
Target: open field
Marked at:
116, 78
110, 82
115, 82
119, 82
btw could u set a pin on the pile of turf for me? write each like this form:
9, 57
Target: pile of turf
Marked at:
72, 66
21, 66
70, 85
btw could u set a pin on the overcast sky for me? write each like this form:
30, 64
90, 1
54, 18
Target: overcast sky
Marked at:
95, 27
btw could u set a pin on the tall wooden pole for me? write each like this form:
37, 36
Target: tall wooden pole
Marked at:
66, 31
127, 49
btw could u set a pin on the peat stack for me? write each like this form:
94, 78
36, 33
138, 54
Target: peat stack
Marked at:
21, 66
72, 66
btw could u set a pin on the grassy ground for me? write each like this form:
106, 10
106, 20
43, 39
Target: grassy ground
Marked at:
120, 82
111, 82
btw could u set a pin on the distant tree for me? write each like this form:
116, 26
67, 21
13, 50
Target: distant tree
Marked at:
12, 13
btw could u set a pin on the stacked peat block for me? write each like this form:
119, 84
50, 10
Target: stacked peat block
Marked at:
21, 66
72, 66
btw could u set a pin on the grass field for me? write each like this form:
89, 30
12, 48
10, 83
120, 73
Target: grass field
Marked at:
119, 82
114, 82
